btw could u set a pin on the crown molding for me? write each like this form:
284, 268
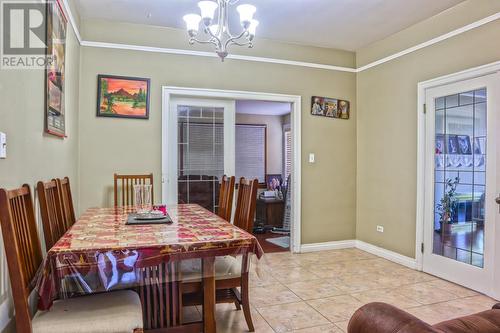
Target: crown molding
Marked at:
402, 53
72, 21
143, 48
432, 41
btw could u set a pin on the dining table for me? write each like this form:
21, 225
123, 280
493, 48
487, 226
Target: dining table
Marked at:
102, 253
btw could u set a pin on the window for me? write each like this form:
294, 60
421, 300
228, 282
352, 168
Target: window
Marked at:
287, 152
251, 152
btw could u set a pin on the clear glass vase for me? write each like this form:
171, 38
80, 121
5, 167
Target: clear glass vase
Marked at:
143, 198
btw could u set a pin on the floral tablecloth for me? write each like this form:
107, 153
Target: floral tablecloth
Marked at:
101, 253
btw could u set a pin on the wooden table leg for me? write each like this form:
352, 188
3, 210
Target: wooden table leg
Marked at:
209, 295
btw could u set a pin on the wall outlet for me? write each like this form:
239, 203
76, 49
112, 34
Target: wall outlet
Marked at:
312, 158
3, 145
380, 228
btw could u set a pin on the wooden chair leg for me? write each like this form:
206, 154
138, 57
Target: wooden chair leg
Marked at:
245, 302
237, 297
181, 308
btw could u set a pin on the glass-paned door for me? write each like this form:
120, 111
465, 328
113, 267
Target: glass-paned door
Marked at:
461, 176
201, 149
200, 152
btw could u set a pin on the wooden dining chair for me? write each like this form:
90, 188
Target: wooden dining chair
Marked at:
51, 211
120, 310
230, 272
67, 201
124, 188
245, 204
226, 194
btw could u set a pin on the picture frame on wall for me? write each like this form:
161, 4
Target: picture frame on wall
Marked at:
122, 96
330, 107
440, 144
452, 145
55, 33
479, 146
464, 145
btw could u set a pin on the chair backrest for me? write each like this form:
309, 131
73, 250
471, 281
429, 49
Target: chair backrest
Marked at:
67, 201
22, 246
226, 194
51, 210
245, 205
126, 184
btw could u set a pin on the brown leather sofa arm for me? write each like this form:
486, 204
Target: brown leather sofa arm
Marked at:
382, 318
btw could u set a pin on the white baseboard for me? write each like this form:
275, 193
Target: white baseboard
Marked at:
387, 254
5, 318
370, 248
336, 245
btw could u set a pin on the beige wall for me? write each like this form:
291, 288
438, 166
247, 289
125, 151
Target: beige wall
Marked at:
31, 154
103, 31
274, 138
121, 145
387, 118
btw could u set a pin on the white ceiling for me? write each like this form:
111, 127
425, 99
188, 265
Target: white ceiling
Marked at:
265, 108
341, 24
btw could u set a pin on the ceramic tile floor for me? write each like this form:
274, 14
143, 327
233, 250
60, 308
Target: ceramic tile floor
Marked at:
318, 292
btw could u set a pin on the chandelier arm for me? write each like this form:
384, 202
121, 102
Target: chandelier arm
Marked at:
216, 40
234, 39
249, 44
192, 40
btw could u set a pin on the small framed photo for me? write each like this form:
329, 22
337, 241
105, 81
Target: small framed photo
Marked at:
440, 145
452, 144
479, 146
464, 145
122, 97
329, 107
344, 109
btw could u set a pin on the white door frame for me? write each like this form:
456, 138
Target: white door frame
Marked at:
168, 92
421, 158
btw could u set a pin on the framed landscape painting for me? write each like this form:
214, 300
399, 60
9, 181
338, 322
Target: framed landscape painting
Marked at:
122, 97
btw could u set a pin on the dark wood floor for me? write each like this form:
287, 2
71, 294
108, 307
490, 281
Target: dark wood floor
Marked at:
270, 247
464, 244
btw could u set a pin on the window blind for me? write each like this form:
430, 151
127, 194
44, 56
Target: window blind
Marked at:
251, 152
288, 153
201, 149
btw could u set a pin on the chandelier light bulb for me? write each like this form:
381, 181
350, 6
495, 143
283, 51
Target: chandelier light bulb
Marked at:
253, 27
192, 23
246, 14
207, 9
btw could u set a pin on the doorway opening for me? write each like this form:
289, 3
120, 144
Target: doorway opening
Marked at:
210, 133
264, 152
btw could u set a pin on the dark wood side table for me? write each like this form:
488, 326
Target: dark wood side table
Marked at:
269, 212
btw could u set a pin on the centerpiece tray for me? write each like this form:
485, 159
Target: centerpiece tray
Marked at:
135, 219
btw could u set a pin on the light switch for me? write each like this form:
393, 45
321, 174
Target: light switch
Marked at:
3, 145
312, 158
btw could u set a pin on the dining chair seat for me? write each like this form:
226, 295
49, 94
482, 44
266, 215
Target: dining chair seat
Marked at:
226, 267
114, 312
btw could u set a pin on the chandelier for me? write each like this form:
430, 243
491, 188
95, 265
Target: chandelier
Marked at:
218, 33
